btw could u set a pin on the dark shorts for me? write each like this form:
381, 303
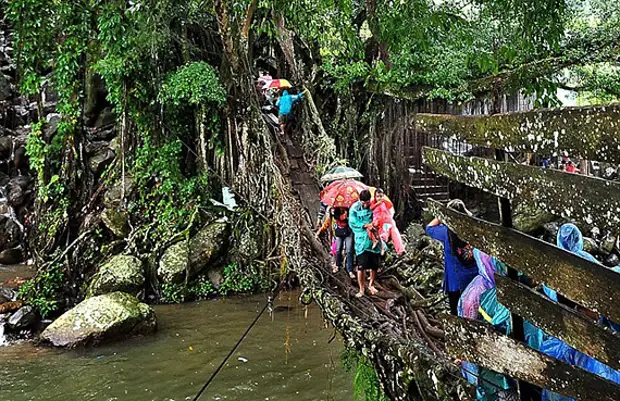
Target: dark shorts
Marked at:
369, 261
284, 118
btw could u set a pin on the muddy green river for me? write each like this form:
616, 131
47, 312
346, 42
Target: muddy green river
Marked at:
286, 357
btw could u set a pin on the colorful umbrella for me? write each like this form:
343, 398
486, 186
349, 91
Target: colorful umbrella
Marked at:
342, 193
340, 172
278, 84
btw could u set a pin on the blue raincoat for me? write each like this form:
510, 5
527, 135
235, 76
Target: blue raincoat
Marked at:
286, 102
570, 239
456, 276
561, 351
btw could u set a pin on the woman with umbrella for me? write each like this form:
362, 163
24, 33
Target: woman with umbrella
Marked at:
341, 238
335, 174
339, 196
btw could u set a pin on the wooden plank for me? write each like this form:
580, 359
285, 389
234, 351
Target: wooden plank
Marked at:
559, 321
587, 283
593, 202
590, 132
478, 343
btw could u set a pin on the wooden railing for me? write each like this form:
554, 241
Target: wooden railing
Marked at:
592, 133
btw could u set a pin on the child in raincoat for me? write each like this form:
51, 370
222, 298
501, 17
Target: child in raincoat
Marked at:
383, 225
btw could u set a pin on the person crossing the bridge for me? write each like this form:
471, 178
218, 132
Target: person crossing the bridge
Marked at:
368, 257
285, 104
341, 236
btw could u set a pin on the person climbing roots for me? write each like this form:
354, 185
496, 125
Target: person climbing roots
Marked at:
285, 106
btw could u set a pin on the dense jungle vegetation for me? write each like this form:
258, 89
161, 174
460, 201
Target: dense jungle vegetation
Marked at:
178, 80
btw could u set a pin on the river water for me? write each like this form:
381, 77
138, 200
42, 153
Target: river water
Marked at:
286, 357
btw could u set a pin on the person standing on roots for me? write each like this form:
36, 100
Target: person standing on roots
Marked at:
341, 237
368, 257
460, 264
285, 104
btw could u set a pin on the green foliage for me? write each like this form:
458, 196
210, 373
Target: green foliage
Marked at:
596, 84
365, 382
239, 280
195, 83
236, 281
201, 288
172, 293
165, 196
198, 289
44, 291
36, 151
34, 22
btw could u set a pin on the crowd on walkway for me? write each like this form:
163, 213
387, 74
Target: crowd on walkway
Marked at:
469, 282
359, 223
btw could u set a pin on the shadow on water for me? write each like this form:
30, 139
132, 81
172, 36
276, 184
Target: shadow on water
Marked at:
191, 342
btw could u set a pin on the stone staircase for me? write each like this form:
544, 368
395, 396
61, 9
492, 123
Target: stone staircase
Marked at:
427, 184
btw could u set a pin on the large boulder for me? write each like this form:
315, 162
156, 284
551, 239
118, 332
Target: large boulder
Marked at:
10, 233
106, 117
6, 147
99, 160
100, 319
181, 259
11, 256
209, 243
113, 197
121, 273
174, 263
247, 245
529, 219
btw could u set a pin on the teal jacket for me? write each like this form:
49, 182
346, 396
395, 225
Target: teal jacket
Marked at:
358, 217
286, 102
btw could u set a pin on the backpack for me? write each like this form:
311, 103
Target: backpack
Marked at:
341, 232
462, 250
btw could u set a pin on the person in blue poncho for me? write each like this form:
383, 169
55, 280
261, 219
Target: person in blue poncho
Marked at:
561, 351
285, 104
570, 239
460, 265
490, 385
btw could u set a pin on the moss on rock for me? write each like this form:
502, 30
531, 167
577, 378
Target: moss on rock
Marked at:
115, 221
206, 245
100, 319
174, 263
121, 273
